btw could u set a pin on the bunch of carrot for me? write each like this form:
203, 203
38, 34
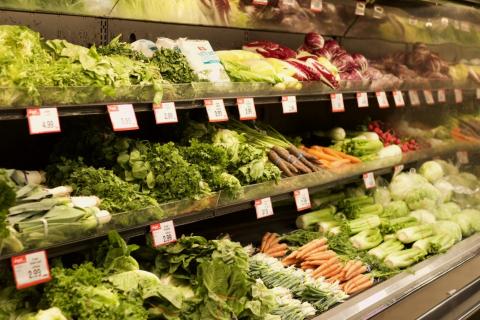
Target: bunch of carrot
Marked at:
329, 157
271, 245
327, 264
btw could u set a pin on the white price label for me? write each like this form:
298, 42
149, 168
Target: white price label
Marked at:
246, 109
428, 96
43, 120
165, 113
462, 157
360, 8
369, 180
337, 102
362, 99
289, 104
398, 169
458, 95
316, 5
263, 208
478, 93
302, 199
260, 2
398, 98
123, 117
444, 22
378, 12
413, 96
31, 269
216, 110
382, 99
441, 96
163, 233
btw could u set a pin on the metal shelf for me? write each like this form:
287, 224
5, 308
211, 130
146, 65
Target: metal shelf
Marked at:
371, 302
218, 204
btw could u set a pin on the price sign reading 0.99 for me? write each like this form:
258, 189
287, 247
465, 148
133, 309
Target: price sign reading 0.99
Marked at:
441, 96
43, 120
369, 180
316, 5
163, 233
31, 269
216, 110
302, 199
362, 99
165, 113
246, 109
414, 99
398, 98
428, 97
263, 208
382, 99
458, 95
123, 117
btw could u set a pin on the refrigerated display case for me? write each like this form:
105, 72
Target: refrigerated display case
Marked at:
407, 73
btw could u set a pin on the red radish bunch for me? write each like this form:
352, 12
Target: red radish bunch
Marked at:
388, 137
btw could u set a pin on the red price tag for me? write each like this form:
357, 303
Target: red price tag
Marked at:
398, 169
316, 5
246, 109
414, 99
478, 93
289, 104
362, 99
260, 2
428, 97
165, 113
123, 117
382, 99
43, 120
302, 199
442, 98
263, 208
163, 233
462, 157
216, 110
369, 180
458, 95
337, 102
398, 98
31, 269
360, 8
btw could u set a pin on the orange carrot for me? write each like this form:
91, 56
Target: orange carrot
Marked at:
339, 163
360, 287
353, 267
264, 240
342, 155
312, 245
358, 280
321, 256
316, 250
356, 272
327, 264
277, 254
278, 247
333, 270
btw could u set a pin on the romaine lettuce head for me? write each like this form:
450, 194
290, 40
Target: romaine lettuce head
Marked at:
395, 209
423, 216
474, 218
431, 170
422, 197
403, 183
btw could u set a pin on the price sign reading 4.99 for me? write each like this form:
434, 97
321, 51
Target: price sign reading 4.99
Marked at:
165, 113
289, 104
246, 109
263, 208
163, 233
216, 110
337, 102
43, 120
369, 180
302, 199
123, 117
31, 269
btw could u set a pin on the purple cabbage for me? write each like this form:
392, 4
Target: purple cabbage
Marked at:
270, 49
360, 61
344, 63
